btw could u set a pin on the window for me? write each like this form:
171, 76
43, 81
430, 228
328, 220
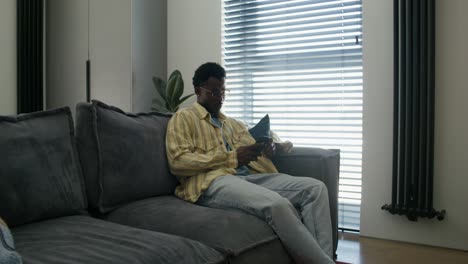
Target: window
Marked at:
301, 63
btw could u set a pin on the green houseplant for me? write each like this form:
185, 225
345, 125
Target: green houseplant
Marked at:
169, 93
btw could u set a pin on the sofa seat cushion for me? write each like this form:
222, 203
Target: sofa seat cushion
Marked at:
82, 239
40, 174
233, 233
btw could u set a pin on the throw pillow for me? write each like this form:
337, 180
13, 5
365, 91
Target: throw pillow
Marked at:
8, 255
40, 175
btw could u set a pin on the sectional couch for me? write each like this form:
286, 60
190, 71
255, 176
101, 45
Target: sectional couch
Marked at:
101, 192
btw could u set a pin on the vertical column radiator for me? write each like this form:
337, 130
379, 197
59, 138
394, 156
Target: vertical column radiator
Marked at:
413, 135
30, 55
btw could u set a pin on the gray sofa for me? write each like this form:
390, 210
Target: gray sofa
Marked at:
103, 193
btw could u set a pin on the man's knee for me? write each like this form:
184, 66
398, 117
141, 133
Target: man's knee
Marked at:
279, 206
321, 185
310, 183
316, 189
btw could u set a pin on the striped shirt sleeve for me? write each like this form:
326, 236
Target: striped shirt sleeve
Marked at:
180, 149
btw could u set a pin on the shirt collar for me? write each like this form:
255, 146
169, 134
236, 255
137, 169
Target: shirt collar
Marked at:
201, 112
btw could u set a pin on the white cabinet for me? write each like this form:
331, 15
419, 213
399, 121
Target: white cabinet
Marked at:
124, 41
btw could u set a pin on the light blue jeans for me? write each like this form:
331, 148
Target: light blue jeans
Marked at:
8, 255
295, 207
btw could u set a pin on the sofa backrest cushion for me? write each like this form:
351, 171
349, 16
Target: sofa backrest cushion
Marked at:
123, 155
40, 175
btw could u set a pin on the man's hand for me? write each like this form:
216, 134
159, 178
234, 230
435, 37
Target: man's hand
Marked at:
246, 154
269, 150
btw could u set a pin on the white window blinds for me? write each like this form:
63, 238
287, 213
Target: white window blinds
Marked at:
301, 63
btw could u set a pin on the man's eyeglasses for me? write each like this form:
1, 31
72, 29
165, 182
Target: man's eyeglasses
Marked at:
216, 93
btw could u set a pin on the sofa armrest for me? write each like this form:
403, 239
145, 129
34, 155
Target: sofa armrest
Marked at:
321, 164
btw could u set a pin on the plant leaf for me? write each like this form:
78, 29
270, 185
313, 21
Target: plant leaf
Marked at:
169, 106
178, 90
170, 92
170, 89
160, 86
158, 100
175, 73
183, 99
158, 105
177, 93
160, 110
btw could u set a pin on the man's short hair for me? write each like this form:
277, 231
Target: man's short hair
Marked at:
207, 70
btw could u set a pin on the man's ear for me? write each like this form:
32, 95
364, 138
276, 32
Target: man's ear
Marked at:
197, 90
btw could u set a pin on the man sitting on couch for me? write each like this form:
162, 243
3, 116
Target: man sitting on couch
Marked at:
219, 165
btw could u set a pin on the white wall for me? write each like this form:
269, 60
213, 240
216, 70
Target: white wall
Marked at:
66, 52
149, 52
193, 37
451, 128
110, 43
7, 57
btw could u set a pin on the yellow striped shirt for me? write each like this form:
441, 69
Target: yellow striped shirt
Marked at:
197, 154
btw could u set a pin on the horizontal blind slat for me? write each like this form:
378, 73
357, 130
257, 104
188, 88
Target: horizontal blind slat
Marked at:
301, 63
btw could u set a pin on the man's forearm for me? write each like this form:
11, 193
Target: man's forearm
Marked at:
189, 164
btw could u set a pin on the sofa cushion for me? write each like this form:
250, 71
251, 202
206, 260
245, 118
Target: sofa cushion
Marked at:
123, 155
82, 239
40, 176
234, 233
7, 246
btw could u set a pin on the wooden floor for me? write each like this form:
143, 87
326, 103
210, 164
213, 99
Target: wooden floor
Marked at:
362, 250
